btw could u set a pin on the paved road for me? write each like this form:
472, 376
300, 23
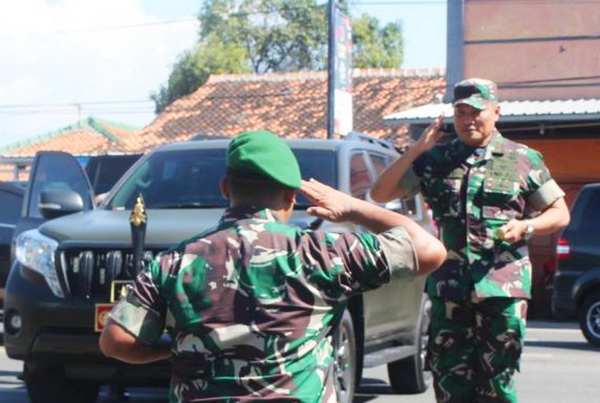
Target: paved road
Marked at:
558, 366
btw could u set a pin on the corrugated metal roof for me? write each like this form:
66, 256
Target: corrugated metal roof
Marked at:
510, 111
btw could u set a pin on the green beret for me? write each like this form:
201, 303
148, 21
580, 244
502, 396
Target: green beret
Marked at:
264, 154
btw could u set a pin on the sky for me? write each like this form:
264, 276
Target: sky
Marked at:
66, 60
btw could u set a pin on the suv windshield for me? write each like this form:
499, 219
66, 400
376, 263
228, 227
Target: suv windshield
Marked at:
190, 178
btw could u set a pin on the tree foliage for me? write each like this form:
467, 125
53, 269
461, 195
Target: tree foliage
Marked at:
374, 46
260, 36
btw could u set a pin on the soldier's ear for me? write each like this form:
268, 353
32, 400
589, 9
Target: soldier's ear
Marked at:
224, 187
290, 196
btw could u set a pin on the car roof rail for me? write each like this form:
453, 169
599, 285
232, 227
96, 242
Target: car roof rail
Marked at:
358, 136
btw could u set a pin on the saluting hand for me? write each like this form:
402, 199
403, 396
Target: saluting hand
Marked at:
432, 135
329, 203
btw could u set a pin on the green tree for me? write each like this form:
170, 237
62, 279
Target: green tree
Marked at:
374, 46
260, 36
195, 66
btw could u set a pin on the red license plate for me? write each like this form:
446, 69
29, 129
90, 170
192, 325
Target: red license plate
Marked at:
101, 316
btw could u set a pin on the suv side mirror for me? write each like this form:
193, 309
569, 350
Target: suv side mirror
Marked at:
57, 203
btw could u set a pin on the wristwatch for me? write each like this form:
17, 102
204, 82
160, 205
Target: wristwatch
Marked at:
529, 230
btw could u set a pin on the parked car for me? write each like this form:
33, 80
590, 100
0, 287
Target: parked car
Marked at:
11, 199
577, 277
69, 271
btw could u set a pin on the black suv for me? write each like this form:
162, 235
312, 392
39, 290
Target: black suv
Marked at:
577, 278
68, 271
20, 213
103, 172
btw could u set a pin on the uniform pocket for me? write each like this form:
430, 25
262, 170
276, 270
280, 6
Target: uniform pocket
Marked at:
501, 199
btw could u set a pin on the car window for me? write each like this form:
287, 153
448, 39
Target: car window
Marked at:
190, 178
105, 170
380, 162
360, 180
11, 207
175, 179
591, 212
318, 164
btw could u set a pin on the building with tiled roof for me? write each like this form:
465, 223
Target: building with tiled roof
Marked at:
292, 104
90, 136
289, 104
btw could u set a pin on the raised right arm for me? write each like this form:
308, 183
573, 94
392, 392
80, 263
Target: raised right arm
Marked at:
335, 206
387, 187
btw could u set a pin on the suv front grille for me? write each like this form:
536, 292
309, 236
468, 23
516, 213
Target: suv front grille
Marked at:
89, 273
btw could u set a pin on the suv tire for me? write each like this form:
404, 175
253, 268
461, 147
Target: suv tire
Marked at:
344, 344
48, 383
407, 376
589, 318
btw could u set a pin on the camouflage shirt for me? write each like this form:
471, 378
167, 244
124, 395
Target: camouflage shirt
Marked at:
254, 303
472, 192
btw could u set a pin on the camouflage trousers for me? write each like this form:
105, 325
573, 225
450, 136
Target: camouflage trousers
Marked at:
475, 348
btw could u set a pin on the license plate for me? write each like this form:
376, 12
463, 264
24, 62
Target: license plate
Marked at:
101, 316
118, 289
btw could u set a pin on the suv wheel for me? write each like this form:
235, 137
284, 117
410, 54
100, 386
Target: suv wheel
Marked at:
47, 383
407, 376
589, 318
344, 345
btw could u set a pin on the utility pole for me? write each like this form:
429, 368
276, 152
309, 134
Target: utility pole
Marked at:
78, 106
331, 68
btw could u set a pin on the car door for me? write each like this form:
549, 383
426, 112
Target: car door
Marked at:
11, 197
51, 170
393, 308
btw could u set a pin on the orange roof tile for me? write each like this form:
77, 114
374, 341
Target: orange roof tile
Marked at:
89, 136
291, 104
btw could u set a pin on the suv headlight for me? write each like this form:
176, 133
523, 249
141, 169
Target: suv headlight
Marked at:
36, 251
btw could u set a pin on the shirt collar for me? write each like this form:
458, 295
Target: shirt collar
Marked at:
233, 214
494, 148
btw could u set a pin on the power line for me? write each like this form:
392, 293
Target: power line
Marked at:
273, 11
99, 29
84, 111
593, 81
71, 104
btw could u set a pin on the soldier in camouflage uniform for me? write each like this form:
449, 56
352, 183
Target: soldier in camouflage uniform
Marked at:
488, 195
255, 301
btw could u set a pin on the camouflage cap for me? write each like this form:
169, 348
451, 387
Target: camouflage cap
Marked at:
476, 92
265, 155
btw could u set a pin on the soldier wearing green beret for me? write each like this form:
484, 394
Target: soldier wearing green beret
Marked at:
489, 195
255, 301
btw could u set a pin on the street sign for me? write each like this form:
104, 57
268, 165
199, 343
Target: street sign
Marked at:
340, 113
